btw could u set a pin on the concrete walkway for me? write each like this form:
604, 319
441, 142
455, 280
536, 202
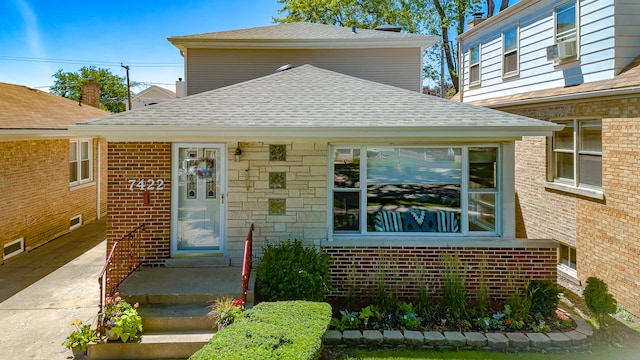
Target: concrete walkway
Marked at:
43, 291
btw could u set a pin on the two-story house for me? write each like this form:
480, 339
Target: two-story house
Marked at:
575, 63
340, 149
52, 181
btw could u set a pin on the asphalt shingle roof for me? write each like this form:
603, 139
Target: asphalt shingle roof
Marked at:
310, 97
302, 31
26, 108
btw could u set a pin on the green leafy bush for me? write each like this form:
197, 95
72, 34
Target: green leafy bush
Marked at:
454, 290
279, 330
543, 296
291, 271
598, 300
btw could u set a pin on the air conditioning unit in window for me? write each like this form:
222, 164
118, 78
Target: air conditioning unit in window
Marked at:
562, 50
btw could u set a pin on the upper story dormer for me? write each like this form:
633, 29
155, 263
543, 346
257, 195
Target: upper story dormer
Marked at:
218, 59
547, 44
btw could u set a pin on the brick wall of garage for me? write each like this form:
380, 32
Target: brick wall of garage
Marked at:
37, 202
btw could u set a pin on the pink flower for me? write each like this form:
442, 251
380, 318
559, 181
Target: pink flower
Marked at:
108, 300
136, 305
118, 299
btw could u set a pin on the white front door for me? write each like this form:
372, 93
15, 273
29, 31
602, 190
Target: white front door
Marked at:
198, 199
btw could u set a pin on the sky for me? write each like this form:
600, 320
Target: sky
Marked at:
40, 37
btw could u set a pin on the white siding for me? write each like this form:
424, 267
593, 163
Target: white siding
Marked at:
627, 32
608, 42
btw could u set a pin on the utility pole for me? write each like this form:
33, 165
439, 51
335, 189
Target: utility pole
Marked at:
442, 69
128, 88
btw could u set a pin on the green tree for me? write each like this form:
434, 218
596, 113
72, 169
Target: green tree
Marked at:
443, 18
113, 88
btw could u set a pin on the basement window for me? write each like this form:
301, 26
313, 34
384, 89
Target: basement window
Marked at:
75, 222
13, 248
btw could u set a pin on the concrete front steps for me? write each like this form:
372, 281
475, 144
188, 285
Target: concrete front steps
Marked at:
174, 302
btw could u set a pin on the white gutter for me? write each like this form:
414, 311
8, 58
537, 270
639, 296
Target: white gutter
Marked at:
169, 133
98, 183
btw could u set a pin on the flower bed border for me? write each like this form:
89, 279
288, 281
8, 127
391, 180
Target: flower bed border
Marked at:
577, 339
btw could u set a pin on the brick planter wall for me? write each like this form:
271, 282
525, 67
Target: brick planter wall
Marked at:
406, 269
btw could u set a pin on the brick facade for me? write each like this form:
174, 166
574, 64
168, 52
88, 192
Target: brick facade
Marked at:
405, 269
126, 207
305, 193
605, 232
37, 202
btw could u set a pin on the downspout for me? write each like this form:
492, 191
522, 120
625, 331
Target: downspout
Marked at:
461, 71
98, 184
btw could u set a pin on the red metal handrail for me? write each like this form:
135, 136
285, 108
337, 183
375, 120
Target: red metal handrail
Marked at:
246, 266
126, 253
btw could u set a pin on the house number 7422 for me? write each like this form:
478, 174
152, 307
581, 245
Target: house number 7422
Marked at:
146, 184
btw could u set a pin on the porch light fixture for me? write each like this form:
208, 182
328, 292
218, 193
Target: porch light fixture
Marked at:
236, 154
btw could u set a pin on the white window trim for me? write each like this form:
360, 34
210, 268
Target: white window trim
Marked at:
515, 72
464, 199
577, 32
478, 64
568, 185
78, 143
21, 250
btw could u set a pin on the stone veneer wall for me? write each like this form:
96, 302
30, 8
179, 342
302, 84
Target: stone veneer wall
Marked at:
406, 269
605, 232
37, 202
251, 190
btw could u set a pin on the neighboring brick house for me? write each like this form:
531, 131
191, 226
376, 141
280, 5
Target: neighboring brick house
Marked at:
576, 63
384, 179
150, 96
52, 181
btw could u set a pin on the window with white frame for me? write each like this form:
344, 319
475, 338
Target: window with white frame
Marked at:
439, 190
510, 52
474, 65
565, 22
577, 153
80, 162
567, 256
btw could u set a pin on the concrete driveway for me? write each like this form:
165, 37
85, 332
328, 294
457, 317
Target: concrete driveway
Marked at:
43, 291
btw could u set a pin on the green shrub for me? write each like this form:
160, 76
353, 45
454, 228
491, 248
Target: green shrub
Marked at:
543, 296
454, 296
278, 330
598, 300
289, 270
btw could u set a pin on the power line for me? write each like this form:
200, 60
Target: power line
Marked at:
87, 62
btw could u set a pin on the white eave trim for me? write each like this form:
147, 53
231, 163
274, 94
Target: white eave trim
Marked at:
399, 42
31, 134
169, 133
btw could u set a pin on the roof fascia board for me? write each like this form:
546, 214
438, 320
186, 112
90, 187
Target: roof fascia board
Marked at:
170, 132
36, 134
314, 44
